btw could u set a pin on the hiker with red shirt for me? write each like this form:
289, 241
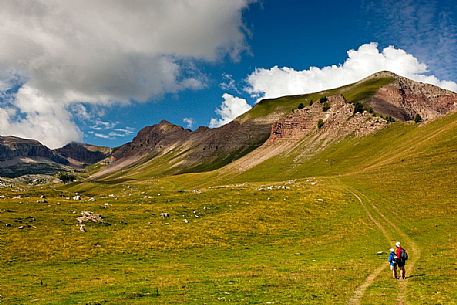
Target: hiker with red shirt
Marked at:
402, 256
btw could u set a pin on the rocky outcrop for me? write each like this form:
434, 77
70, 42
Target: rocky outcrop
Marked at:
404, 98
336, 123
80, 155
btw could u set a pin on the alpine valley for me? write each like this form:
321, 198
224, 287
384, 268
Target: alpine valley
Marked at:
296, 201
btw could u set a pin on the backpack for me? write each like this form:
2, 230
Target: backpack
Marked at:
403, 255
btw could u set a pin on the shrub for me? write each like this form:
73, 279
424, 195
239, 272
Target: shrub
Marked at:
325, 106
323, 99
358, 107
311, 103
66, 177
320, 123
390, 119
418, 118
301, 106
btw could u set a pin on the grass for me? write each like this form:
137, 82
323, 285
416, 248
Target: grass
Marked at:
284, 232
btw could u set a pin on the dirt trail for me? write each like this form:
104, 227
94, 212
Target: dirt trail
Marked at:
360, 291
413, 249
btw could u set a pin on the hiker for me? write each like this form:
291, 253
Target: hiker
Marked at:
402, 256
393, 263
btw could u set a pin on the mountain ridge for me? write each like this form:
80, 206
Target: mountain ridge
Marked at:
271, 127
382, 97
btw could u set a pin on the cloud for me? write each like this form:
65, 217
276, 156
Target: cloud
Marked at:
366, 60
427, 29
105, 52
230, 108
116, 133
103, 125
189, 122
228, 83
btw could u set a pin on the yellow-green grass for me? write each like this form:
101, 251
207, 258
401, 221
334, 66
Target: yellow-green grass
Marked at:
246, 246
258, 237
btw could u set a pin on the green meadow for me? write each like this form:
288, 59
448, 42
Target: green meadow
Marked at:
292, 230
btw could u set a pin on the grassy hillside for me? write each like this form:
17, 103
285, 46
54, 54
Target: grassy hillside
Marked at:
293, 230
357, 92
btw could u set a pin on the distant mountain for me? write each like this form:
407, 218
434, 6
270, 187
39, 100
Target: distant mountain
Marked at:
20, 157
81, 155
25, 156
274, 126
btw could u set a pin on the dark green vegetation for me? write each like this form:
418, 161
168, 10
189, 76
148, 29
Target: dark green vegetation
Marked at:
66, 177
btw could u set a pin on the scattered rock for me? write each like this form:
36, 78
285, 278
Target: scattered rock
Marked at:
380, 253
111, 196
92, 199
42, 201
164, 215
77, 197
87, 216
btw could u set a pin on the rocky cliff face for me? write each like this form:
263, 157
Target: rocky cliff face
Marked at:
23, 156
12, 147
404, 98
80, 155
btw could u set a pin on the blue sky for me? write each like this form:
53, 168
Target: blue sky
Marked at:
102, 77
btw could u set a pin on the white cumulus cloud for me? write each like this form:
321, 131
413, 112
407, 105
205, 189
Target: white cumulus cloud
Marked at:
366, 60
105, 52
230, 108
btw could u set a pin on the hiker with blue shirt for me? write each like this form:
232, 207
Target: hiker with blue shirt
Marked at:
393, 263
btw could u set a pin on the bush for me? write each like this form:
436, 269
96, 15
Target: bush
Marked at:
320, 123
358, 107
301, 106
323, 99
66, 177
418, 118
325, 106
311, 103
